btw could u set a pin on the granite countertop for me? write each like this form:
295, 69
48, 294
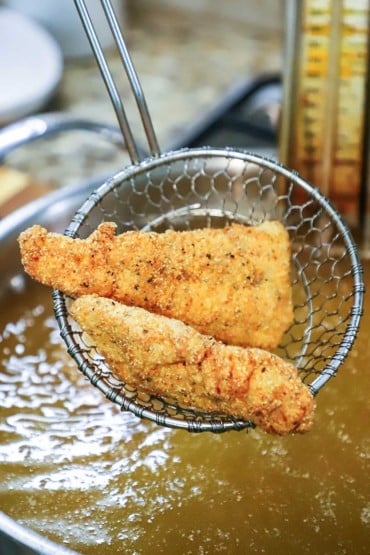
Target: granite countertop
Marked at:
185, 64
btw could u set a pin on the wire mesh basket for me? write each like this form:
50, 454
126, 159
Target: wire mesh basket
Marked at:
195, 188
213, 188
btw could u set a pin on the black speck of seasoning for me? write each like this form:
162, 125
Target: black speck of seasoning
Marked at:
209, 256
231, 255
149, 280
263, 370
145, 331
85, 284
136, 287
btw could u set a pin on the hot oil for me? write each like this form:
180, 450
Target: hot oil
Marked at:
76, 469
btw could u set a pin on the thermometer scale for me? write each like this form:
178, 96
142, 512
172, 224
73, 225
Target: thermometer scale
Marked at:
324, 115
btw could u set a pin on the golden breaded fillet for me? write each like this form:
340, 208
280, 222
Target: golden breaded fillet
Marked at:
231, 283
167, 358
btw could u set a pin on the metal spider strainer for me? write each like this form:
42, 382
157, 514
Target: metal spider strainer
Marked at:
193, 188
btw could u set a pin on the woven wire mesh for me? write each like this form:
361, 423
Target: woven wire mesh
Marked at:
196, 188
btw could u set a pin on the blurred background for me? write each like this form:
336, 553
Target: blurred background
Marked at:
189, 56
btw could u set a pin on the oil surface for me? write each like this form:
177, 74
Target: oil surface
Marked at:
76, 469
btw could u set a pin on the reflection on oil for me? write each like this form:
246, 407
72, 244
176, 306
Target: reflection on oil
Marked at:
75, 468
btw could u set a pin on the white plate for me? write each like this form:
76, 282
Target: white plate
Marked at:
31, 66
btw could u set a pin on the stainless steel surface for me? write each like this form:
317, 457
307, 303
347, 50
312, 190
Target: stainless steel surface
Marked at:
16, 539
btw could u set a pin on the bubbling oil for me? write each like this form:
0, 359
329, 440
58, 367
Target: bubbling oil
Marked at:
76, 469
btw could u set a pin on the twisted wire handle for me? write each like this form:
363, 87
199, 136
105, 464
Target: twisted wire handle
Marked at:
131, 145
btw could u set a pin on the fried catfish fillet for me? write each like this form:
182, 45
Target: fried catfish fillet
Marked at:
231, 283
168, 358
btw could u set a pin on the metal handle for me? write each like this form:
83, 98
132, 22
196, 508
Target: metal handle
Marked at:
32, 128
110, 83
42, 125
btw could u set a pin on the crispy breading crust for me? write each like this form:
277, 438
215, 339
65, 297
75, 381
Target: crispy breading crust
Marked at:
165, 357
231, 283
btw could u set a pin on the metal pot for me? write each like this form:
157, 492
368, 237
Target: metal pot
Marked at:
53, 211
